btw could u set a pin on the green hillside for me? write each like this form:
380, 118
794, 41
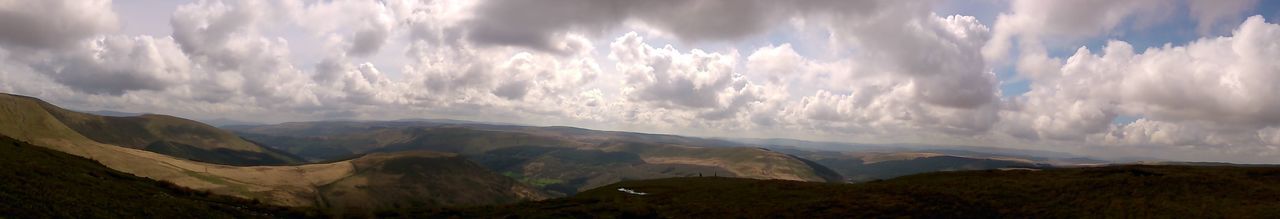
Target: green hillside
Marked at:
417, 180
39, 183
310, 185
1113, 192
168, 135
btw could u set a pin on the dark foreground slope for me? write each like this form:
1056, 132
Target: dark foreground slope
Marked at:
39, 183
1119, 191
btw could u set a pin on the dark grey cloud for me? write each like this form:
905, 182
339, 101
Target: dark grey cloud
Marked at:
53, 23
513, 90
368, 41
536, 23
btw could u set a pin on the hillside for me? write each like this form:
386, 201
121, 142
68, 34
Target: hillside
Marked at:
558, 160
419, 179
1116, 191
27, 120
162, 134
40, 183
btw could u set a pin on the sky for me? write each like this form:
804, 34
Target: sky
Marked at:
1194, 80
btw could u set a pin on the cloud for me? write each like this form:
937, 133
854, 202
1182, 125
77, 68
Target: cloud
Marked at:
369, 38
360, 84
536, 23
364, 25
115, 64
1033, 21
704, 87
203, 26
668, 78
776, 63
873, 71
54, 23
941, 55
234, 58
1213, 92
1209, 13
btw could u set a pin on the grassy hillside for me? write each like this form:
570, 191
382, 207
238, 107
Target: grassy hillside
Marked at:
25, 119
417, 180
1117, 191
38, 183
181, 137
565, 171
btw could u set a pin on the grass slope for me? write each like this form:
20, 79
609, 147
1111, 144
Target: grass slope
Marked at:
1117, 191
24, 118
141, 132
40, 183
389, 181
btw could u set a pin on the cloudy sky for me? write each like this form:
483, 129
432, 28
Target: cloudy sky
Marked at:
1188, 80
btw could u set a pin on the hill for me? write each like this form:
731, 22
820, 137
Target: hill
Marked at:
559, 160
419, 179
1114, 191
41, 183
162, 134
27, 119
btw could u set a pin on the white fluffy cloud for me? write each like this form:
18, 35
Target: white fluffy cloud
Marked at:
1213, 92
1035, 21
115, 64
365, 26
233, 57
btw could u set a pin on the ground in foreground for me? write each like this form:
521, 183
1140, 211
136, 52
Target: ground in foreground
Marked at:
1116, 191
40, 183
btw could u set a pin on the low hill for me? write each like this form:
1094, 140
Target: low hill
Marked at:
1114, 191
559, 160
41, 183
163, 134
